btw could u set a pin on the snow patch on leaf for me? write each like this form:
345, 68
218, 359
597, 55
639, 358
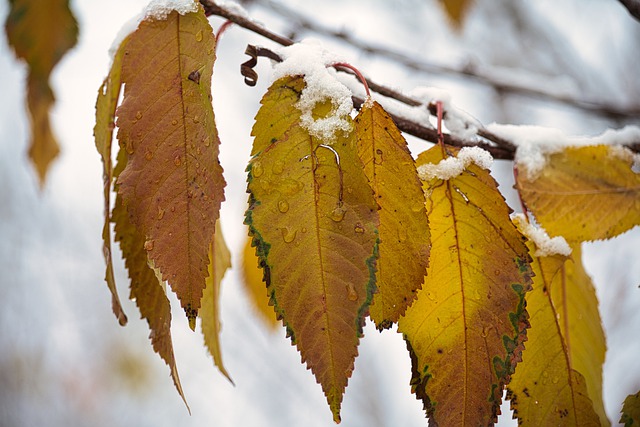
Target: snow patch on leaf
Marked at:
454, 166
536, 143
309, 59
545, 245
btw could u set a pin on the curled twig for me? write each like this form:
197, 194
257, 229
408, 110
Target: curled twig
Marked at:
247, 68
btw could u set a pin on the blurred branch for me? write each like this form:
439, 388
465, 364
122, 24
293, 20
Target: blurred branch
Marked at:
498, 147
633, 6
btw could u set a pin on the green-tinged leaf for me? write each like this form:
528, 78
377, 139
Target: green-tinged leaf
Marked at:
577, 307
631, 411
546, 389
146, 290
585, 193
466, 329
40, 35
255, 287
456, 10
220, 262
172, 184
404, 230
103, 132
313, 220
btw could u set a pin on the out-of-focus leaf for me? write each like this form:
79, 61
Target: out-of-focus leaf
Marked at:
220, 262
103, 132
404, 230
585, 193
456, 10
313, 220
546, 388
465, 331
146, 290
255, 287
631, 410
172, 184
41, 33
574, 297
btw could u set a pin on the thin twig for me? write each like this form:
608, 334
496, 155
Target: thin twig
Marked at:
633, 6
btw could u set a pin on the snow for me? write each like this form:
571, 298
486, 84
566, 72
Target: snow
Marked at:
157, 10
545, 245
309, 58
458, 122
454, 166
535, 143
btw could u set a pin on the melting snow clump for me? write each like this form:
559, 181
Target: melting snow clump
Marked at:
454, 166
310, 59
545, 245
160, 9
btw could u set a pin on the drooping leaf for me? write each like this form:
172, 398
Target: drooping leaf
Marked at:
404, 230
147, 291
456, 10
577, 307
172, 184
585, 193
466, 329
546, 388
313, 220
631, 410
220, 262
254, 286
103, 132
40, 35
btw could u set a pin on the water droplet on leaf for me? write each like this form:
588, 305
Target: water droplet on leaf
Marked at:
377, 158
278, 167
174, 122
177, 161
283, 205
358, 228
148, 155
199, 36
288, 235
351, 292
148, 245
138, 115
256, 169
160, 213
338, 213
402, 235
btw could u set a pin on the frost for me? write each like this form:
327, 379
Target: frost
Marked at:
545, 245
453, 166
156, 9
310, 59
458, 122
535, 143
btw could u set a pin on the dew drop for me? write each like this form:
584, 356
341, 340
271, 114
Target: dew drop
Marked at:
496, 272
377, 158
402, 235
351, 292
256, 169
196, 119
148, 245
304, 229
358, 228
160, 213
207, 142
198, 151
337, 214
148, 155
174, 122
138, 115
485, 332
129, 147
476, 295
278, 167
555, 380
288, 235
177, 161
431, 296
283, 205
417, 207
199, 36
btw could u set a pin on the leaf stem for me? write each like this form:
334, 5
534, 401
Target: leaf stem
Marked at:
349, 67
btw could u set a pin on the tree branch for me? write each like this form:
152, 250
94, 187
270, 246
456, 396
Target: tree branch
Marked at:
633, 6
497, 146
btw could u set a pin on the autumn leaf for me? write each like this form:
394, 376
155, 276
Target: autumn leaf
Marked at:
313, 220
404, 230
220, 262
585, 193
41, 35
456, 10
103, 132
255, 287
631, 410
172, 184
466, 329
146, 289
547, 388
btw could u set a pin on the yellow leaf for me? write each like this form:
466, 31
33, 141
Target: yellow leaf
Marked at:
254, 286
146, 290
631, 410
313, 220
456, 9
547, 388
172, 184
41, 34
585, 193
404, 230
103, 132
577, 307
220, 262
466, 329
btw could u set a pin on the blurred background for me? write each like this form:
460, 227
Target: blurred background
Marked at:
63, 358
